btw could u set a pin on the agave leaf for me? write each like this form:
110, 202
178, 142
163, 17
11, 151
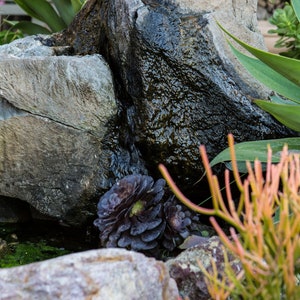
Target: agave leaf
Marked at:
288, 115
30, 28
65, 9
27, 8
77, 5
286, 66
296, 6
277, 99
268, 76
249, 151
43, 11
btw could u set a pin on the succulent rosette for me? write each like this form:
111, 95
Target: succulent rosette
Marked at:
136, 214
130, 214
180, 223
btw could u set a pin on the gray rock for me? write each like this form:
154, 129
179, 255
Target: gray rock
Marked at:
14, 210
187, 273
97, 274
55, 114
29, 46
76, 92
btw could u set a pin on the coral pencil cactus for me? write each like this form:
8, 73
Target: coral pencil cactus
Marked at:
265, 233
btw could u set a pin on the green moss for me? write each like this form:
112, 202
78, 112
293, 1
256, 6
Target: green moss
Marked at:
25, 253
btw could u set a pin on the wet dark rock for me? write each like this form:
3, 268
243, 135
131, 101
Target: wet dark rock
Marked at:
177, 80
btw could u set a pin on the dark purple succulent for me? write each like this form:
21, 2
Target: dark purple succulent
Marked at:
130, 214
134, 215
180, 223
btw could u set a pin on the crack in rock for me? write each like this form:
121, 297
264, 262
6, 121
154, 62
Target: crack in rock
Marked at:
7, 110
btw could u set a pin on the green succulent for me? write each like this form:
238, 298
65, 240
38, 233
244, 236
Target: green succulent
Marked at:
282, 75
288, 29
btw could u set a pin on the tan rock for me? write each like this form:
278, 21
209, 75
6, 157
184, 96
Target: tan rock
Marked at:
112, 274
54, 115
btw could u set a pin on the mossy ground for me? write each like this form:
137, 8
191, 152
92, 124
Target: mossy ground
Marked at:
28, 252
37, 241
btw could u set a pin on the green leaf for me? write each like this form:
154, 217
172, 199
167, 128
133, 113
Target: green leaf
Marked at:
296, 6
65, 9
268, 76
286, 66
77, 5
7, 36
43, 11
288, 115
277, 99
249, 151
30, 28
27, 8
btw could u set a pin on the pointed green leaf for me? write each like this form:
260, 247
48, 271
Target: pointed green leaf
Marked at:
288, 115
249, 151
277, 99
27, 8
296, 7
43, 11
268, 76
65, 9
77, 5
30, 28
288, 67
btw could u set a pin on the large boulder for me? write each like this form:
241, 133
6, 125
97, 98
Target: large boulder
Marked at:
55, 114
176, 77
64, 137
97, 274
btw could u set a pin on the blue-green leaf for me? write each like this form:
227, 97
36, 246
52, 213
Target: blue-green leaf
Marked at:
30, 28
286, 66
65, 10
43, 11
249, 151
288, 115
296, 7
268, 76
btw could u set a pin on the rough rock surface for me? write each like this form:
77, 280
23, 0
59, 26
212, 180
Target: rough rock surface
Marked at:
97, 274
187, 273
55, 113
178, 82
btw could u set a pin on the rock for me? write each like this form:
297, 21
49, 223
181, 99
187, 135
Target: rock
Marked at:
266, 8
65, 139
55, 114
29, 46
179, 84
4, 249
96, 274
14, 210
187, 273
